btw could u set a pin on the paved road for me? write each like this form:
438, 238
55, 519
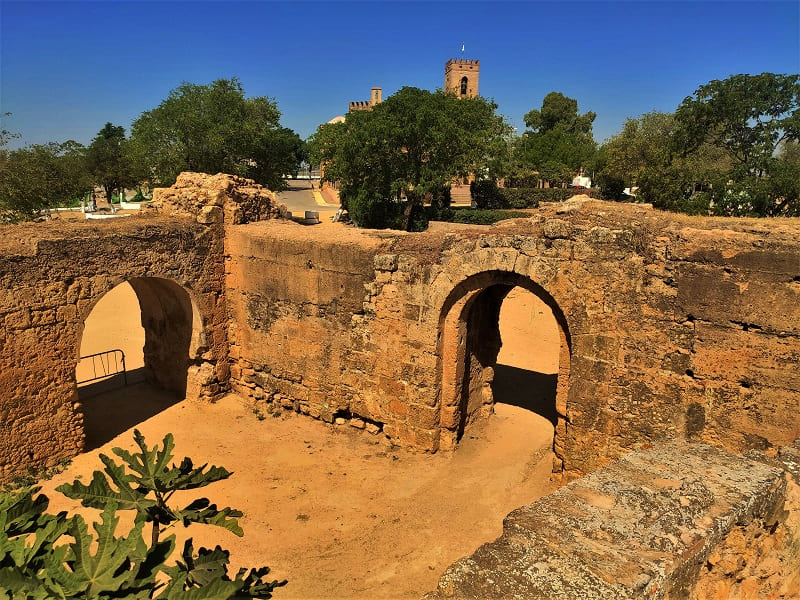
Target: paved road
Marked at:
300, 198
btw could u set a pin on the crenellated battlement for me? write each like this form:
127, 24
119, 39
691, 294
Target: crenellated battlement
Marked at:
461, 77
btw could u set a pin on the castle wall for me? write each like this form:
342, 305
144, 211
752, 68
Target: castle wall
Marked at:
673, 327
51, 275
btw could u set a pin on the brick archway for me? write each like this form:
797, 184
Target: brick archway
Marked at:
468, 345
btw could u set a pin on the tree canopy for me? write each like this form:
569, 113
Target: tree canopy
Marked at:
408, 147
40, 176
725, 150
108, 160
559, 140
214, 128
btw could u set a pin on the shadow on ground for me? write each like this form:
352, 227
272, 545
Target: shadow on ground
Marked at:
111, 408
525, 389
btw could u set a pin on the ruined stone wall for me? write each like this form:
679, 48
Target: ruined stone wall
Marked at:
673, 326
217, 198
674, 521
51, 275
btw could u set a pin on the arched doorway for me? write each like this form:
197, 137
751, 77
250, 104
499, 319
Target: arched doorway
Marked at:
532, 373
135, 350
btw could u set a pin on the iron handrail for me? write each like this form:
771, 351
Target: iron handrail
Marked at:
106, 366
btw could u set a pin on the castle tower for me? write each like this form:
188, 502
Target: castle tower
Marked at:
461, 77
376, 97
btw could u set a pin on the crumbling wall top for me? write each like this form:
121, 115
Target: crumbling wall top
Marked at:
219, 198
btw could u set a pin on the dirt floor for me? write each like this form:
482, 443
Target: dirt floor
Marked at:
337, 512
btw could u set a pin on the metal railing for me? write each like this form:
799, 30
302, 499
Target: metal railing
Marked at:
109, 365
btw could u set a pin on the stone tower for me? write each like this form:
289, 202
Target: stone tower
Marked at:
461, 77
376, 97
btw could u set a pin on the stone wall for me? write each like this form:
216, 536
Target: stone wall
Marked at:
217, 198
671, 326
674, 521
51, 275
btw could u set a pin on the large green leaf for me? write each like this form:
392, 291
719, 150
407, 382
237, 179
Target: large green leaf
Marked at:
99, 491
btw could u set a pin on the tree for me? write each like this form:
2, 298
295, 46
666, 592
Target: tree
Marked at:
408, 147
559, 141
724, 151
643, 142
108, 160
214, 128
36, 561
40, 176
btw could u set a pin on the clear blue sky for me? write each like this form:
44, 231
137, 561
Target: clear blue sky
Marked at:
68, 67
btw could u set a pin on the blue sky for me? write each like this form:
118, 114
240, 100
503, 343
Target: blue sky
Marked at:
68, 67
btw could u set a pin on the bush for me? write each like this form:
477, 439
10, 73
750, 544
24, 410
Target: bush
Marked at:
486, 194
473, 216
611, 188
373, 211
440, 198
55, 556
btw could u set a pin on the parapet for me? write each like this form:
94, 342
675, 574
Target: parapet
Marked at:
462, 62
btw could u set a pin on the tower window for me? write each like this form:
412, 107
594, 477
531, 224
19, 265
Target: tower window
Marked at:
463, 86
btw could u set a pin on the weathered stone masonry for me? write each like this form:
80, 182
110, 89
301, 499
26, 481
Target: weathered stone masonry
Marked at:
671, 326
48, 287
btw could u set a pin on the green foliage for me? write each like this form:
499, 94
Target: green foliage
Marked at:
742, 123
38, 560
410, 146
40, 176
109, 161
558, 142
488, 195
644, 142
214, 128
611, 188
472, 216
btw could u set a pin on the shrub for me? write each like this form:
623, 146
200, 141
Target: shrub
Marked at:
473, 216
36, 561
486, 194
440, 198
611, 188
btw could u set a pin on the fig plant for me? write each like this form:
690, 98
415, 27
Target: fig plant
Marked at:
38, 559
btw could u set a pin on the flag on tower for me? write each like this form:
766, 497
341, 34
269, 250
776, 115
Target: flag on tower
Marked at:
462, 47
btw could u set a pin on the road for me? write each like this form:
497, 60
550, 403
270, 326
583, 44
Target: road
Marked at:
300, 198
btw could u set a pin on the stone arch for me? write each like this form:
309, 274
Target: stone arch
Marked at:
174, 338
470, 312
464, 82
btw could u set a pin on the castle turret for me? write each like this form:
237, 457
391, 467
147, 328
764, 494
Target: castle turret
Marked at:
461, 77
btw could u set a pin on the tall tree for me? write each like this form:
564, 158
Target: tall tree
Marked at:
410, 146
214, 128
108, 161
559, 140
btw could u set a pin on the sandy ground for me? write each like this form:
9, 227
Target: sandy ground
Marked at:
337, 512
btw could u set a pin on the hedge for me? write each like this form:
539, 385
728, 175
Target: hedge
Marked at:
486, 194
472, 216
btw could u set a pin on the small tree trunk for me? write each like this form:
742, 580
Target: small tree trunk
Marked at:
407, 210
